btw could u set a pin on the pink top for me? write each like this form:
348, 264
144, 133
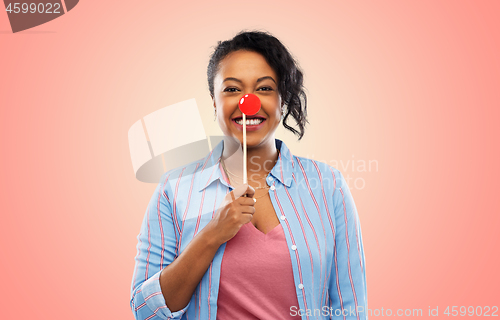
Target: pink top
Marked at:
256, 279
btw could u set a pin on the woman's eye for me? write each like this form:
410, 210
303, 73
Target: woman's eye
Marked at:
266, 89
230, 90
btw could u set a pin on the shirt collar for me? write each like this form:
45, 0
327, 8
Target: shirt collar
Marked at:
212, 168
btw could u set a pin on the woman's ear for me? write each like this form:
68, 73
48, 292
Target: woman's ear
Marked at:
213, 100
215, 109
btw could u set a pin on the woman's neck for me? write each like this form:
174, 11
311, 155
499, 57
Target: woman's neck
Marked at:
260, 159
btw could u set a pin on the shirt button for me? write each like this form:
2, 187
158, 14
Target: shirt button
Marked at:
270, 178
301, 286
294, 247
282, 217
272, 188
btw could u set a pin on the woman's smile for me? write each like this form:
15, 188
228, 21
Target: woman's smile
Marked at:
253, 123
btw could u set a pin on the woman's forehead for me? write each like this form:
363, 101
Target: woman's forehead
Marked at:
244, 62
247, 64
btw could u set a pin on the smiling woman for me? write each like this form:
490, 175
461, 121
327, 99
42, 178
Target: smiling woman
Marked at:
212, 247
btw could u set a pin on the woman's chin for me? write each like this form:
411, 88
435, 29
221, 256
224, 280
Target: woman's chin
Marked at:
254, 138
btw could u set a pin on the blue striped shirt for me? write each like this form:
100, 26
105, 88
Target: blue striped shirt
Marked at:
315, 209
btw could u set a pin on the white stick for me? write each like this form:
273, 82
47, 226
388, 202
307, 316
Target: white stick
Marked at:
244, 149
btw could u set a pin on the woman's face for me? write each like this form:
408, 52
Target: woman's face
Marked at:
242, 72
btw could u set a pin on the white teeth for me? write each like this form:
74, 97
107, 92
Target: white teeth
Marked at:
250, 122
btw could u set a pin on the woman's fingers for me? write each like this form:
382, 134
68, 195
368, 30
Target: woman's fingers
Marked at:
246, 201
239, 191
235, 211
248, 209
250, 191
246, 218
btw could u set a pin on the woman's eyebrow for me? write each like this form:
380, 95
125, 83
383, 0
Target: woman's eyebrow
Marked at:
258, 80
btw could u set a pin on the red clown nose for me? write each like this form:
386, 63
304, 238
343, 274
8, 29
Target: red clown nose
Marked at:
249, 104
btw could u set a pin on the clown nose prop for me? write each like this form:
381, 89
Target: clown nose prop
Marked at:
249, 105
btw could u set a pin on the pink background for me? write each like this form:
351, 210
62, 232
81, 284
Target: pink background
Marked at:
411, 85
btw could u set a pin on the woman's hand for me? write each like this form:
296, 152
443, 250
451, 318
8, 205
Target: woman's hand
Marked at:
233, 213
179, 279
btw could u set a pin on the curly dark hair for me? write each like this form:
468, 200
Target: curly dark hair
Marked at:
290, 77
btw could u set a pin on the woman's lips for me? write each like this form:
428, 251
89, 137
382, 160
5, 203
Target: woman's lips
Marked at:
249, 127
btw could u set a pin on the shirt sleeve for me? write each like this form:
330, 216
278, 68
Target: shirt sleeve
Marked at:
347, 287
155, 250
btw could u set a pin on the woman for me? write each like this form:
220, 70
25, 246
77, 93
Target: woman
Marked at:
287, 245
